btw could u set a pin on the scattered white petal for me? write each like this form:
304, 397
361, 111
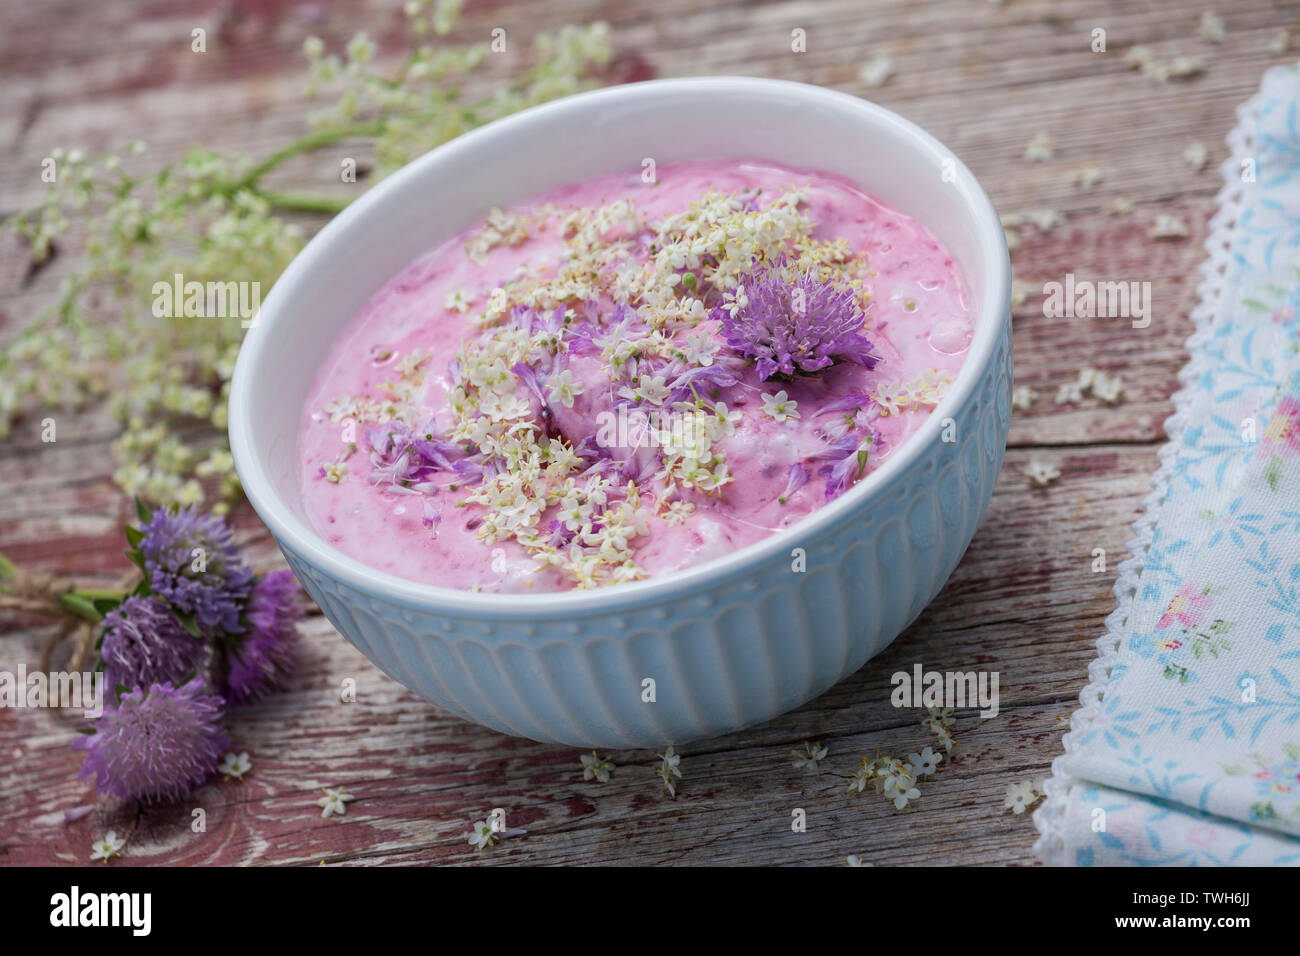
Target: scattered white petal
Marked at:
669, 770
1196, 155
1045, 219
109, 846
335, 801
900, 786
1020, 293
1041, 147
234, 765
780, 406
1023, 397
457, 301
1087, 177
1119, 206
1184, 67
1107, 389
1069, 393
1211, 27
877, 70
939, 718
482, 835
925, 763
1041, 474
1168, 227
855, 860
1138, 56
595, 768
810, 756
1019, 797
1162, 71
1280, 41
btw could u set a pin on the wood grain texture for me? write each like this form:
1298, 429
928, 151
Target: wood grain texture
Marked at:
1024, 601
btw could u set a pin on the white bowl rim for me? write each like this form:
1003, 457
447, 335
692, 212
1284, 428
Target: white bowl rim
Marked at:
308, 545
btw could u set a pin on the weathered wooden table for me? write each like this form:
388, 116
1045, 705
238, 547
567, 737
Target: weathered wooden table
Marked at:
1025, 601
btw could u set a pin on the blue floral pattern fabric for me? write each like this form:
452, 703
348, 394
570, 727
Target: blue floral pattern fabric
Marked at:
1187, 751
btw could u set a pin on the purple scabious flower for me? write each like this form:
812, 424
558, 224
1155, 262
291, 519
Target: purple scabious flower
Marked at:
789, 321
155, 746
191, 560
264, 656
144, 644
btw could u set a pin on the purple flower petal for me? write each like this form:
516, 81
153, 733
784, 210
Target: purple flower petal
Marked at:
793, 322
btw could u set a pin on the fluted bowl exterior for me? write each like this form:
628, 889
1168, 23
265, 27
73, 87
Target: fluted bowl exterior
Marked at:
706, 651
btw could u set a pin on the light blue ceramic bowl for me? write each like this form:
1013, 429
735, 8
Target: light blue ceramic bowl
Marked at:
728, 643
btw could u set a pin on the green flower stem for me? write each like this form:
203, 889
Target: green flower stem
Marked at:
81, 602
98, 594
306, 144
304, 202
7, 569
78, 601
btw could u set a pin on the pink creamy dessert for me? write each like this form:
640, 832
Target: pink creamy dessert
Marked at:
623, 378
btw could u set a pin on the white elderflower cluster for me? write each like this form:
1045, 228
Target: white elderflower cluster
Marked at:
734, 236
897, 780
689, 458
894, 398
1108, 389
506, 228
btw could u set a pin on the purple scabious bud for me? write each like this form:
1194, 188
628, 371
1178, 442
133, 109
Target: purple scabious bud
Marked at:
155, 746
789, 321
263, 657
144, 644
190, 560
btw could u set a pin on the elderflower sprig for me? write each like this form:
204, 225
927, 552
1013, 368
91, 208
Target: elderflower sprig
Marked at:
213, 218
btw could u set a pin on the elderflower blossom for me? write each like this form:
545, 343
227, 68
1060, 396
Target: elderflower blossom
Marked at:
482, 835
925, 763
457, 301
669, 770
810, 756
1041, 474
938, 718
595, 768
780, 406
234, 765
1020, 796
335, 802
107, 847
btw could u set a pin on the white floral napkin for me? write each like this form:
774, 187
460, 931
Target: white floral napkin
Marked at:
1187, 747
